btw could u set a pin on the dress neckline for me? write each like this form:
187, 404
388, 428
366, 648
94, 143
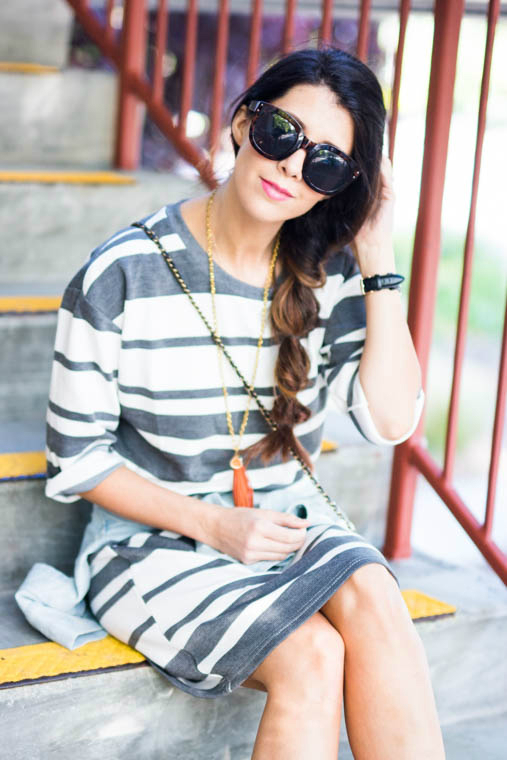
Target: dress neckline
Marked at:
241, 287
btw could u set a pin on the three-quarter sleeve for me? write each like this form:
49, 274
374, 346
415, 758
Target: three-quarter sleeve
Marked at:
83, 409
342, 349
358, 409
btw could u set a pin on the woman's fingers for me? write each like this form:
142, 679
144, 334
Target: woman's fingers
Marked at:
275, 537
254, 534
284, 518
286, 530
283, 535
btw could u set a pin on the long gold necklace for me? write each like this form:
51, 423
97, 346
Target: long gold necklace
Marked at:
242, 490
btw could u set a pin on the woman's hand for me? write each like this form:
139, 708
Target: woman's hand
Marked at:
250, 535
373, 244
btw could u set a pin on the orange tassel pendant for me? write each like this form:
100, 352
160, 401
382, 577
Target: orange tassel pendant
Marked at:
241, 489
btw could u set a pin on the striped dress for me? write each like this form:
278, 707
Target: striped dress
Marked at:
136, 383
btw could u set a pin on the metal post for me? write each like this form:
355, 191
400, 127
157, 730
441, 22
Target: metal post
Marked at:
130, 110
423, 286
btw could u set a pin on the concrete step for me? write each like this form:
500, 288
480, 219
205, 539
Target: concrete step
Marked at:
36, 529
132, 713
37, 31
62, 223
127, 713
357, 477
479, 737
136, 714
466, 651
43, 118
27, 347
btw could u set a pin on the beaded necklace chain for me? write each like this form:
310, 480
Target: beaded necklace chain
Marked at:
242, 491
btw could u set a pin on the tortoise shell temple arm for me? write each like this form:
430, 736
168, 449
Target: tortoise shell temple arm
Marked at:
253, 105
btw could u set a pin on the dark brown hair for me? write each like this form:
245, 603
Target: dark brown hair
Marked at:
307, 241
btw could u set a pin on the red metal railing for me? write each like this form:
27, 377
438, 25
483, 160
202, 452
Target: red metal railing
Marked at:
126, 49
412, 457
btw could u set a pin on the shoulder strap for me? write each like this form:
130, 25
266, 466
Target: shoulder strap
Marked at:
249, 388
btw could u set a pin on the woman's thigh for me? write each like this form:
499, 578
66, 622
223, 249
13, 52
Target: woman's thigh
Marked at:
312, 653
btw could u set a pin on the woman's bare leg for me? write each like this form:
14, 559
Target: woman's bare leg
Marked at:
303, 677
390, 709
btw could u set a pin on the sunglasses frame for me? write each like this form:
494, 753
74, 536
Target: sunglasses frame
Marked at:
256, 107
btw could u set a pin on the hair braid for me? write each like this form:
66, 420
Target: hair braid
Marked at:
294, 313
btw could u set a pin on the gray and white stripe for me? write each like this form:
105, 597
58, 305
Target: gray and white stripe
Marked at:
136, 381
207, 623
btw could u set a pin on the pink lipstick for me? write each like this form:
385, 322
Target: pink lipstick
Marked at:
274, 192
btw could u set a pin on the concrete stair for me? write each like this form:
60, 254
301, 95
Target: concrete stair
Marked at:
24, 383
49, 229
44, 116
36, 529
62, 223
126, 712
36, 32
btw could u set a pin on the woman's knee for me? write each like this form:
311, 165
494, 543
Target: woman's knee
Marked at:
370, 593
311, 655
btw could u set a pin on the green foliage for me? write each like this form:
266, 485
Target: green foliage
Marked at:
484, 329
488, 291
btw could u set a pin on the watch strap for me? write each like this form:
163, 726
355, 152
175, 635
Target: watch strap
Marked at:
390, 280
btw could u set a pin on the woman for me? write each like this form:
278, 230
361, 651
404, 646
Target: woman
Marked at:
148, 421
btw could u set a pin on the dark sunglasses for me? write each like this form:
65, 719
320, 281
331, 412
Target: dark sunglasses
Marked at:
276, 134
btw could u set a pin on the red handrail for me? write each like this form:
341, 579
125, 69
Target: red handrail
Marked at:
411, 458
128, 57
398, 62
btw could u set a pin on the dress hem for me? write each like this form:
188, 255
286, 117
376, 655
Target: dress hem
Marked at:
226, 687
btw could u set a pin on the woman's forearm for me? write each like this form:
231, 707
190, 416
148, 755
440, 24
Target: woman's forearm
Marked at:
131, 496
389, 369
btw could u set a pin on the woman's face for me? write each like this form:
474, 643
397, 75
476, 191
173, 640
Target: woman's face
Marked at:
315, 107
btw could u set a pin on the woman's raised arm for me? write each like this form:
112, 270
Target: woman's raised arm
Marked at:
389, 369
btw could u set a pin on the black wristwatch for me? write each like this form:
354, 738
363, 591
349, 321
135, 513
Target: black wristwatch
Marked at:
380, 281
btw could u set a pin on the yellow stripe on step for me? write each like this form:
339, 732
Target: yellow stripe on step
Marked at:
67, 177
38, 661
19, 67
29, 303
22, 463
422, 606
327, 446
47, 660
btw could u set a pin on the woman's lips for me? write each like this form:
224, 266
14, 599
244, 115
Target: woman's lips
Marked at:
273, 192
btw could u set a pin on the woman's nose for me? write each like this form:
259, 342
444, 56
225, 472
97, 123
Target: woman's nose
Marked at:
292, 166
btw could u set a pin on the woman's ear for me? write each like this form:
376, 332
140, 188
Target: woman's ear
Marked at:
240, 124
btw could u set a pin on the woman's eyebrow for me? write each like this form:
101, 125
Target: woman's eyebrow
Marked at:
328, 142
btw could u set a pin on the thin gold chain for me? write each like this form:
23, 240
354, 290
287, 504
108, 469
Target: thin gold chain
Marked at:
269, 278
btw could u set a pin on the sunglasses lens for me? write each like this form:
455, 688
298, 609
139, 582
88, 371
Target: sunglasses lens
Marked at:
274, 135
327, 172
